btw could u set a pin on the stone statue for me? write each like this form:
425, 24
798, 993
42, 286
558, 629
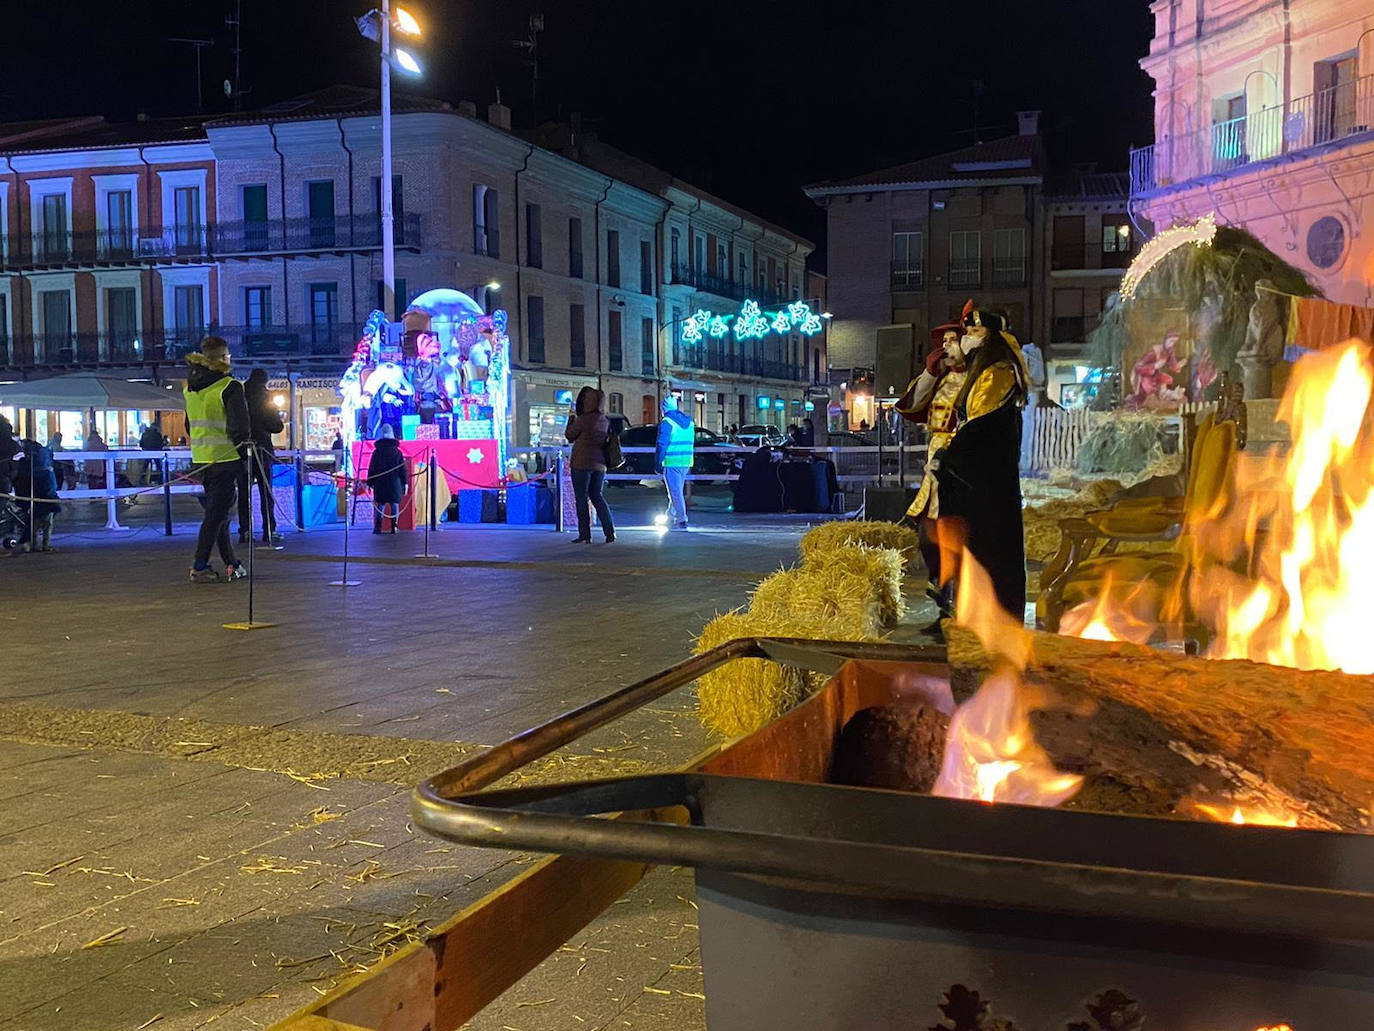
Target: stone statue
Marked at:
1263, 346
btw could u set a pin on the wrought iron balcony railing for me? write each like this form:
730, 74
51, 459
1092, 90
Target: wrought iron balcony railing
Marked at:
190, 243
716, 358
685, 275
85, 350
1325, 117
905, 276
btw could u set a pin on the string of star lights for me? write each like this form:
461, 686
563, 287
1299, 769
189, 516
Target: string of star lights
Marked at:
1199, 234
751, 322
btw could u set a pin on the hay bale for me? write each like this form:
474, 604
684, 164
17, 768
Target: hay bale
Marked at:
746, 694
880, 568
875, 534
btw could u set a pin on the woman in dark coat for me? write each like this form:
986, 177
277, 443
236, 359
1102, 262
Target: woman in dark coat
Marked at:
978, 474
388, 476
264, 420
588, 430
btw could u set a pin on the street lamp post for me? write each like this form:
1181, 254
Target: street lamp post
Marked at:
378, 26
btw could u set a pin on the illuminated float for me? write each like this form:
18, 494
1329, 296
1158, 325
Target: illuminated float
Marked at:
443, 387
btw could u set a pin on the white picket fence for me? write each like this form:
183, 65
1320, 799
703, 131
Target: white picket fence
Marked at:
1056, 435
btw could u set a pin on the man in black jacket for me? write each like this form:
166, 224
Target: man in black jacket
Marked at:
217, 418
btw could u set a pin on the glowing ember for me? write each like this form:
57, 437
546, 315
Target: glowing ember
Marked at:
1257, 816
1290, 584
1112, 616
990, 750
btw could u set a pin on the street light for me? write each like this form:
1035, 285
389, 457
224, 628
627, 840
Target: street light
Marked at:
377, 25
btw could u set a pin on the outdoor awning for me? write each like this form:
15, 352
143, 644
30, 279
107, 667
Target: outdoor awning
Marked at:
84, 390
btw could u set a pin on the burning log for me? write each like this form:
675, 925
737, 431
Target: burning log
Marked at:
1161, 725
899, 747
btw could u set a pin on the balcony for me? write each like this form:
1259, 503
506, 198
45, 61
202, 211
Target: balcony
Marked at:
965, 274
197, 243
1090, 257
904, 276
338, 233
717, 358
1009, 273
685, 275
87, 350
1316, 120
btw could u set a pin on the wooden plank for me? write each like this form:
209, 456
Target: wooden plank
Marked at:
310, 1022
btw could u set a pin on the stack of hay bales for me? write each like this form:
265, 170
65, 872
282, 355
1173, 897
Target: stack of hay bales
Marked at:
848, 587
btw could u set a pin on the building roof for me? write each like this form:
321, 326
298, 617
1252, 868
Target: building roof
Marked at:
1011, 157
93, 132
337, 101
1089, 186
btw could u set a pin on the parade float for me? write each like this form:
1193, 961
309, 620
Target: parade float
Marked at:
443, 386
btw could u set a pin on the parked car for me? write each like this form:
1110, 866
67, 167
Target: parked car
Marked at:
756, 435
704, 463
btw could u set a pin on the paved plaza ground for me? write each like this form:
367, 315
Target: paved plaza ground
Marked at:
203, 827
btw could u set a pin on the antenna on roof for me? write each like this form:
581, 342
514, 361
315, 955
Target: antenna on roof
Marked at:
236, 23
200, 45
530, 44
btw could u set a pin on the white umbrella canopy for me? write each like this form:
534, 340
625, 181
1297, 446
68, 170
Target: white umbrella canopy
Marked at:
84, 390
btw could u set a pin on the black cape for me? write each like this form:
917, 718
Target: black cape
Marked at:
980, 485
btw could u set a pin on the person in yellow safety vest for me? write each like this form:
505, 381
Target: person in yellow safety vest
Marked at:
218, 425
677, 438
929, 401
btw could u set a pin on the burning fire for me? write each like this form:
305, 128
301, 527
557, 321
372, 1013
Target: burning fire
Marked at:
990, 750
1257, 816
1281, 573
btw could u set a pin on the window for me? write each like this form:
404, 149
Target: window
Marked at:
121, 321
646, 347
965, 258
4, 330
119, 218
677, 334
534, 237
324, 313
188, 314
646, 267
577, 336
55, 241
612, 257
57, 325
742, 278
257, 306
575, 248
319, 211
1068, 324
675, 252
1009, 257
1116, 242
617, 351
722, 261
486, 221
1067, 248
617, 403
699, 253
1336, 114
186, 209
398, 208
255, 217
399, 302
534, 328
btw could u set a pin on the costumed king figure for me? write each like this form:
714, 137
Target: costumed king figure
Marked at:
929, 401
977, 473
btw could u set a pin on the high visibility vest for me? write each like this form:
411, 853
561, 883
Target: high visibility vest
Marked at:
206, 422
683, 439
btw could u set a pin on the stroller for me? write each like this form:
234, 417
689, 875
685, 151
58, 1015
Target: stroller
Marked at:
32, 475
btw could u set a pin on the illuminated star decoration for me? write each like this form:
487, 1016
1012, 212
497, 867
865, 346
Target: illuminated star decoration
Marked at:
718, 326
1199, 234
475, 455
752, 322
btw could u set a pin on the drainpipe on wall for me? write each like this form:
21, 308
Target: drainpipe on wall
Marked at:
17, 310
152, 293
285, 284
352, 254
519, 294
596, 230
661, 306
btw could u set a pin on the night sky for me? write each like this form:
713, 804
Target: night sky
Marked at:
748, 98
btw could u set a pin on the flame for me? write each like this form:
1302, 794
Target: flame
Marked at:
1253, 815
990, 750
1290, 583
1276, 1027
1113, 615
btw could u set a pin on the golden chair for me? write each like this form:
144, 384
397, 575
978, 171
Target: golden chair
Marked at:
1140, 546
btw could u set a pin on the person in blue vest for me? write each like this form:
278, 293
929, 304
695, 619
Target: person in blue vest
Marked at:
219, 427
677, 436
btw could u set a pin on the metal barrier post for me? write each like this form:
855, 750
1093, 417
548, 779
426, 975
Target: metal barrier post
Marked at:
882, 424
300, 488
111, 499
166, 493
430, 485
254, 474
348, 525
433, 496
558, 500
